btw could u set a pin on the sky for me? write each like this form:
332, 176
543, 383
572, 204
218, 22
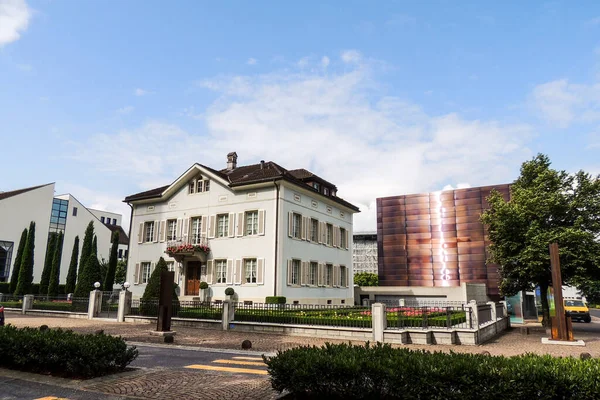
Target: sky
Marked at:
110, 98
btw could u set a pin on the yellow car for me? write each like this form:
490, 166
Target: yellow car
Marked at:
577, 309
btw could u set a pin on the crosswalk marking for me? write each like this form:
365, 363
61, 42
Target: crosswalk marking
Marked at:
260, 364
51, 398
228, 369
248, 358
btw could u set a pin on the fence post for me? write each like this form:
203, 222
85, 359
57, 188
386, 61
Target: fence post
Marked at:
94, 304
472, 315
493, 314
124, 305
226, 315
401, 302
27, 303
379, 321
504, 309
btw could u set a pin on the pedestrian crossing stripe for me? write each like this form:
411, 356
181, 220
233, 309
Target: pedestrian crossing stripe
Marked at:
260, 364
228, 369
248, 358
51, 398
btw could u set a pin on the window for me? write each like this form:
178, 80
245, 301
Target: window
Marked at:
343, 238
196, 229
74, 211
171, 229
251, 223
317, 186
343, 276
148, 231
328, 239
58, 217
170, 266
145, 272
114, 221
314, 230
297, 225
199, 185
126, 251
313, 274
192, 187
102, 219
221, 270
120, 253
295, 272
206, 185
222, 225
250, 270
326, 191
328, 275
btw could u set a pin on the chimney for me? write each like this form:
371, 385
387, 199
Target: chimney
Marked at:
231, 161
262, 164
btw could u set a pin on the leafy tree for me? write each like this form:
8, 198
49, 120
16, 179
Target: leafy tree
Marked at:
121, 273
152, 291
14, 278
366, 279
109, 279
546, 206
26, 269
72, 274
50, 248
86, 249
89, 276
55, 272
95, 246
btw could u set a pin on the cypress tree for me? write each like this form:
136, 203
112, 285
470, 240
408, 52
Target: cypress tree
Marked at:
86, 249
14, 278
152, 291
26, 270
50, 249
87, 278
72, 274
109, 280
95, 246
55, 272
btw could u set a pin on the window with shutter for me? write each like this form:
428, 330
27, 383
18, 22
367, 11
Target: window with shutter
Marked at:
229, 277
237, 278
163, 230
210, 272
291, 224
250, 270
289, 272
240, 224
136, 274
141, 233
155, 236
231, 228
261, 221
260, 272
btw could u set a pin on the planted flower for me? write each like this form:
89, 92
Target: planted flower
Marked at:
188, 248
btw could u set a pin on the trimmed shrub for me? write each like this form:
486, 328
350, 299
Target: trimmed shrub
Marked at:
381, 372
229, 291
14, 277
26, 268
72, 272
203, 285
275, 300
63, 353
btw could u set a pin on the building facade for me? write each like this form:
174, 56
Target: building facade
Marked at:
267, 231
364, 252
436, 239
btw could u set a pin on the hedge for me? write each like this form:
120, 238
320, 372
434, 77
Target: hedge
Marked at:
63, 352
275, 300
381, 372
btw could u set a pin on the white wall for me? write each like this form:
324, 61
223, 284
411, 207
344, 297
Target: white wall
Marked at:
106, 214
15, 215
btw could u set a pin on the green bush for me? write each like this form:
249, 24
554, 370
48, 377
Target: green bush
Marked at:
12, 304
5, 287
275, 300
53, 306
229, 291
63, 353
203, 285
381, 372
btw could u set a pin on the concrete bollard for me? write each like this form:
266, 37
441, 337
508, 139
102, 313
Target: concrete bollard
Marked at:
27, 303
379, 321
95, 304
472, 316
226, 315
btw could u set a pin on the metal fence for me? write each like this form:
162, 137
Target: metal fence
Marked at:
484, 313
499, 310
425, 317
60, 303
11, 301
110, 304
418, 303
181, 309
304, 314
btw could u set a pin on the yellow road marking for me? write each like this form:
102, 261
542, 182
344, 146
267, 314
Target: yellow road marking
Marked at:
52, 398
248, 358
229, 369
239, 362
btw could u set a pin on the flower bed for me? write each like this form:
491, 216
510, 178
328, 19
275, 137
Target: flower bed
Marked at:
188, 248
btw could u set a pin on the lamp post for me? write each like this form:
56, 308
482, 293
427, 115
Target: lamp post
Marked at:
126, 285
97, 285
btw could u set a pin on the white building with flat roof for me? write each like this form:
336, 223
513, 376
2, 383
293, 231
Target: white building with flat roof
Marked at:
364, 252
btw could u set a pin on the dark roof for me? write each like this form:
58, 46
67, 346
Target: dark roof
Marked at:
255, 173
6, 195
123, 239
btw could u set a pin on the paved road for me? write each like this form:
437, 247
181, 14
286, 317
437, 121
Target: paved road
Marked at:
595, 312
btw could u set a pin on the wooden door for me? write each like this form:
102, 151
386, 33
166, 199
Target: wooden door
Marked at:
192, 278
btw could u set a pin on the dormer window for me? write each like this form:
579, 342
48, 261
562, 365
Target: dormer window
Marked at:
198, 185
326, 191
317, 186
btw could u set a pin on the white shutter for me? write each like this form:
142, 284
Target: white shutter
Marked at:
231, 225
240, 224
319, 232
336, 276
156, 226
141, 233
303, 275
204, 227
289, 272
178, 227
347, 235
290, 224
348, 276
186, 230
229, 277
152, 266
211, 227
260, 271
210, 272
136, 274
238, 272
163, 230
303, 228
176, 270
320, 277
261, 222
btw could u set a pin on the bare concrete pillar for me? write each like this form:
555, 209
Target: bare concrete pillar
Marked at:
27, 302
504, 309
472, 315
95, 304
226, 315
379, 321
124, 305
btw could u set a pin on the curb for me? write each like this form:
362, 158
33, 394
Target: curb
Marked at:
203, 349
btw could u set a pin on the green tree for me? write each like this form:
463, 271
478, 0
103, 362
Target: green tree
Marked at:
86, 248
95, 246
72, 274
546, 206
121, 273
14, 278
366, 279
50, 248
26, 269
87, 278
109, 279
55, 272
152, 291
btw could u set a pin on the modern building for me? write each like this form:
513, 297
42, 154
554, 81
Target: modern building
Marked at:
436, 239
270, 232
364, 252
52, 214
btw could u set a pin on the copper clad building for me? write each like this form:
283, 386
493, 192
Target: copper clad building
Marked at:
435, 239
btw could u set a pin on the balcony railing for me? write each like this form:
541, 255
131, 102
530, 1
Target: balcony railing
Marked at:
188, 246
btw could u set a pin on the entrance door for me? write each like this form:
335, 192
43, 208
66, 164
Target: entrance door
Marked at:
192, 278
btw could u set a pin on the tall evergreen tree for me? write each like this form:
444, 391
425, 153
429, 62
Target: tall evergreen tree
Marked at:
14, 278
87, 278
95, 246
72, 274
86, 248
152, 291
50, 249
55, 272
109, 280
26, 270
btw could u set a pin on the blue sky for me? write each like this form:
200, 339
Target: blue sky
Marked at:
110, 98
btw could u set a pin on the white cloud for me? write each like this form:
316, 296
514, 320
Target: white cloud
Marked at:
125, 110
14, 19
141, 92
370, 145
592, 22
252, 61
562, 103
351, 56
325, 61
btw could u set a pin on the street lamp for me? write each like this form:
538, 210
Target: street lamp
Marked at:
97, 285
126, 285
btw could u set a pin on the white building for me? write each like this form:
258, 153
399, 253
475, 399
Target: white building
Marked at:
63, 213
364, 252
271, 232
